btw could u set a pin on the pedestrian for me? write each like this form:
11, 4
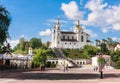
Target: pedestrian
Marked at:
66, 67
94, 68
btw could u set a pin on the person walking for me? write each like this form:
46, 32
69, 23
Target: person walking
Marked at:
66, 67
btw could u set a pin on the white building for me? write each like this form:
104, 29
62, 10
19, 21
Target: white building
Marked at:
108, 61
73, 40
117, 47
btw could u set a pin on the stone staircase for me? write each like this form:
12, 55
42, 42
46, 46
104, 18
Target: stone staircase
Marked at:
62, 59
58, 53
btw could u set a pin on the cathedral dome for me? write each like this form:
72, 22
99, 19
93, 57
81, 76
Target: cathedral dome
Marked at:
78, 25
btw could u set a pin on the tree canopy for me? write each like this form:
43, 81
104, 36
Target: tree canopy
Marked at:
115, 57
4, 24
39, 58
85, 53
35, 43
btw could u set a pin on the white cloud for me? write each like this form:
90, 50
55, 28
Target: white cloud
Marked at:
103, 15
95, 5
71, 10
22, 36
116, 39
64, 30
13, 43
116, 26
47, 32
92, 34
105, 30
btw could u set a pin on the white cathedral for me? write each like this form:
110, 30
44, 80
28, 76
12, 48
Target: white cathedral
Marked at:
71, 40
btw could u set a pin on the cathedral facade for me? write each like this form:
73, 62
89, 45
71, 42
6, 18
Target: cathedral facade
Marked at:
72, 40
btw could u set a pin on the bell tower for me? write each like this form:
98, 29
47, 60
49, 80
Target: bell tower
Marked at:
56, 33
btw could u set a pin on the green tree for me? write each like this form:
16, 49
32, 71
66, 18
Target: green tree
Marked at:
111, 44
103, 46
35, 43
91, 50
117, 66
97, 42
4, 24
50, 53
47, 44
85, 55
22, 44
115, 57
39, 58
22, 47
101, 61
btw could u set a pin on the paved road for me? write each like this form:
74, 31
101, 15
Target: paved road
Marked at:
74, 75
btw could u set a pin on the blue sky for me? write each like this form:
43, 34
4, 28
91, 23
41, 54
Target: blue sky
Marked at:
35, 18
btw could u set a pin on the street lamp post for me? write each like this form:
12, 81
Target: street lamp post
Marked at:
100, 57
100, 66
2, 62
103, 50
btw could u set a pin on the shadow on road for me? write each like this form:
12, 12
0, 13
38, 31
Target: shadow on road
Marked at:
48, 76
53, 76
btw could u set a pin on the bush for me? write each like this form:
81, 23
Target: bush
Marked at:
117, 66
53, 65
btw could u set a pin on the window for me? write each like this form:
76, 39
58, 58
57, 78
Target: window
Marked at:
68, 37
82, 38
63, 37
70, 43
58, 42
58, 28
72, 37
74, 43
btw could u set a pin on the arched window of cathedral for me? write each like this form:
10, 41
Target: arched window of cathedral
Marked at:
70, 43
68, 37
63, 37
82, 38
58, 42
72, 37
54, 31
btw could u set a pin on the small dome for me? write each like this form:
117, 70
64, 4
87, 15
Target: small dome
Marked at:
78, 26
